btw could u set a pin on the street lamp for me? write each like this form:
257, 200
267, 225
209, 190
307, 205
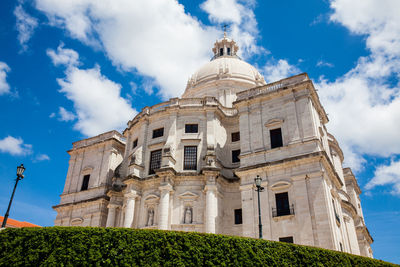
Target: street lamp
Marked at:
259, 189
20, 176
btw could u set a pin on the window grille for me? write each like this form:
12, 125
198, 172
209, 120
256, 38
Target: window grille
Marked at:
190, 158
155, 161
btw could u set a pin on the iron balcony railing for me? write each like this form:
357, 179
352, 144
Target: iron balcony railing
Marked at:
283, 212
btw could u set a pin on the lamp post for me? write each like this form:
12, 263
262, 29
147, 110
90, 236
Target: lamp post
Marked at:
259, 189
20, 176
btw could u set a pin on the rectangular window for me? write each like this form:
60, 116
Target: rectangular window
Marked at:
85, 182
134, 144
155, 161
191, 128
288, 239
190, 158
238, 216
158, 132
276, 138
336, 214
235, 136
282, 204
235, 156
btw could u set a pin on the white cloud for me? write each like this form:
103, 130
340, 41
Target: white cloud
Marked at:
63, 56
26, 25
41, 157
322, 63
243, 24
364, 104
139, 36
52, 115
379, 20
223, 11
65, 115
97, 101
276, 70
386, 175
4, 86
14, 146
133, 87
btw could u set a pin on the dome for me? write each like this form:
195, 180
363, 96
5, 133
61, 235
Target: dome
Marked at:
225, 70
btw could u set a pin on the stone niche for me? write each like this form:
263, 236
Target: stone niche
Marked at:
151, 203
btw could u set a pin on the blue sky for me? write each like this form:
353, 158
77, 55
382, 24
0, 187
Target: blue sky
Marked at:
73, 69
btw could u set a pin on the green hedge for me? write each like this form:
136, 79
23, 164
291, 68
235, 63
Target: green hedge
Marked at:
83, 246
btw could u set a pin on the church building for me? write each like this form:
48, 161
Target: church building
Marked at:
190, 163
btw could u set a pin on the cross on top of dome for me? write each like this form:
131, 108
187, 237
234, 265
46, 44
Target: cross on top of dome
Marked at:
225, 47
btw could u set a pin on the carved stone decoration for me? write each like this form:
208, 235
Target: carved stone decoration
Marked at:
133, 160
188, 218
118, 185
150, 217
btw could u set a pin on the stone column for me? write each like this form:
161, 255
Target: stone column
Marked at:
129, 208
211, 201
211, 208
165, 190
111, 215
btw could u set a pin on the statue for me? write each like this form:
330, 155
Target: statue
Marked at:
150, 217
188, 218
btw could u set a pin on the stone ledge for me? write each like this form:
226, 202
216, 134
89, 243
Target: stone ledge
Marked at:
281, 218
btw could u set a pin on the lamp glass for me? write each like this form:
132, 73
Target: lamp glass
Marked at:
257, 180
20, 169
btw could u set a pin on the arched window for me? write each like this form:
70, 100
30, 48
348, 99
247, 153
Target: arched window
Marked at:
229, 51
221, 51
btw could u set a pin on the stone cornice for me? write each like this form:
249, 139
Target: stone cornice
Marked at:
349, 207
104, 187
314, 155
177, 104
364, 231
333, 144
350, 178
284, 86
103, 197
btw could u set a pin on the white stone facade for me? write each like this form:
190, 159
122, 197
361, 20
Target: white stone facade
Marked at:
308, 196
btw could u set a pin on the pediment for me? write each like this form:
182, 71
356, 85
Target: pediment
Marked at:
152, 198
274, 122
87, 169
188, 195
280, 185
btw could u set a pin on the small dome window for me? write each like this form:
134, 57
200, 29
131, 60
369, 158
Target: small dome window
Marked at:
221, 51
229, 51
